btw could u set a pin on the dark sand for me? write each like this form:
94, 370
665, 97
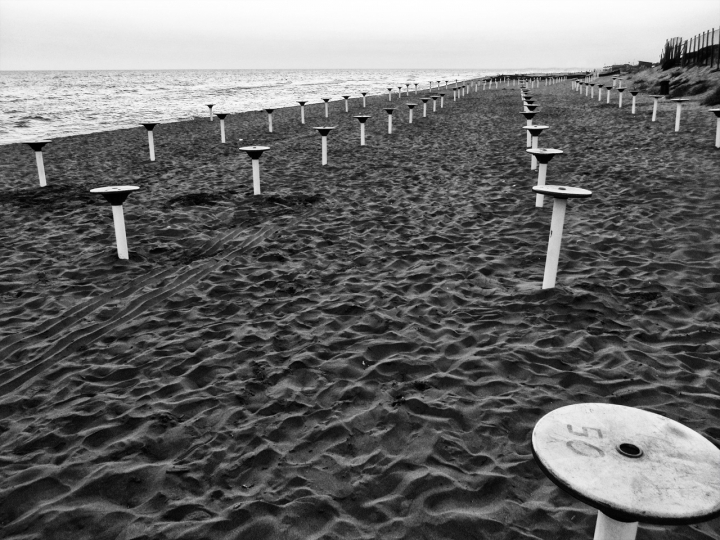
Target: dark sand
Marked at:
362, 351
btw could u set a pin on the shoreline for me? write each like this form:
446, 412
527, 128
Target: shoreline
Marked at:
363, 350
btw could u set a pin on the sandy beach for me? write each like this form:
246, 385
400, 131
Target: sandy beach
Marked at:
362, 351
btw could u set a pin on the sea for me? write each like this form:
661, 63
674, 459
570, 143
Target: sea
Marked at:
50, 104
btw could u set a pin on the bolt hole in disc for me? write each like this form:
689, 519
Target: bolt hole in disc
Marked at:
629, 450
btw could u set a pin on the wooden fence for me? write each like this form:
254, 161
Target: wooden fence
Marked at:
701, 50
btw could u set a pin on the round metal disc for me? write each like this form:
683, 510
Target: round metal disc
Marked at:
631, 464
563, 192
114, 189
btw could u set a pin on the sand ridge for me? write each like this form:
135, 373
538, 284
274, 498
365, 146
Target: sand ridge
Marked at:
361, 352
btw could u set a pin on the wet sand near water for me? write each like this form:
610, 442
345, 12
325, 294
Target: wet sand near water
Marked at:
362, 351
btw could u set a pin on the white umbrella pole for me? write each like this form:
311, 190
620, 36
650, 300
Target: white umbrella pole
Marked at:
553, 252
677, 116
324, 150
655, 107
632, 110
620, 101
40, 168
256, 176
425, 110
151, 144
389, 124
120, 238
539, 197
362, 134
410, 121
327, 113
270, 122
608, 529
533, 159
717, 134
363, 102
529, 141
346, 105
302, 114
222, 131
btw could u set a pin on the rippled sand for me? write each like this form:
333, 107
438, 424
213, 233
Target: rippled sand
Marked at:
362, 351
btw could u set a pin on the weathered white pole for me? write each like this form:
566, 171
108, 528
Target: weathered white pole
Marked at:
211, 105
269, 113
716, 112
607, 528
620, 91
116, 195
679, 102
41, 168
37, 147
363, 95
302, 111
608, 94
149, 126
389, 94
256, 176
120, 236
553, 253
411, 106
362, 118
633, 93
655, 107
327, 110
346, 98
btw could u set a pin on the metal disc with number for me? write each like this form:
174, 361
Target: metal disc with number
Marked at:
631, 464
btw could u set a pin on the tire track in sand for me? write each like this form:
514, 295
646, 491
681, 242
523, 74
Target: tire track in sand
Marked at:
167, 282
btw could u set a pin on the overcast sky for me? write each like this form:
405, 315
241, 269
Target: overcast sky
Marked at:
243, 34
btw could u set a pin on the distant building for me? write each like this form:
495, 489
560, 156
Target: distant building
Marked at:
645, 64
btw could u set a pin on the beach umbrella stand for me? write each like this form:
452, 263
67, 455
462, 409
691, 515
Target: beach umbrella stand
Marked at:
411, 106
149, 126
210, 106
37, 147
324, 131
629, 464
389, 111
716, 112
678, 111
270, 124
221, 117
116, 196
543, 156
560, 196
302, 111
254, 152
362, 118
535, 132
